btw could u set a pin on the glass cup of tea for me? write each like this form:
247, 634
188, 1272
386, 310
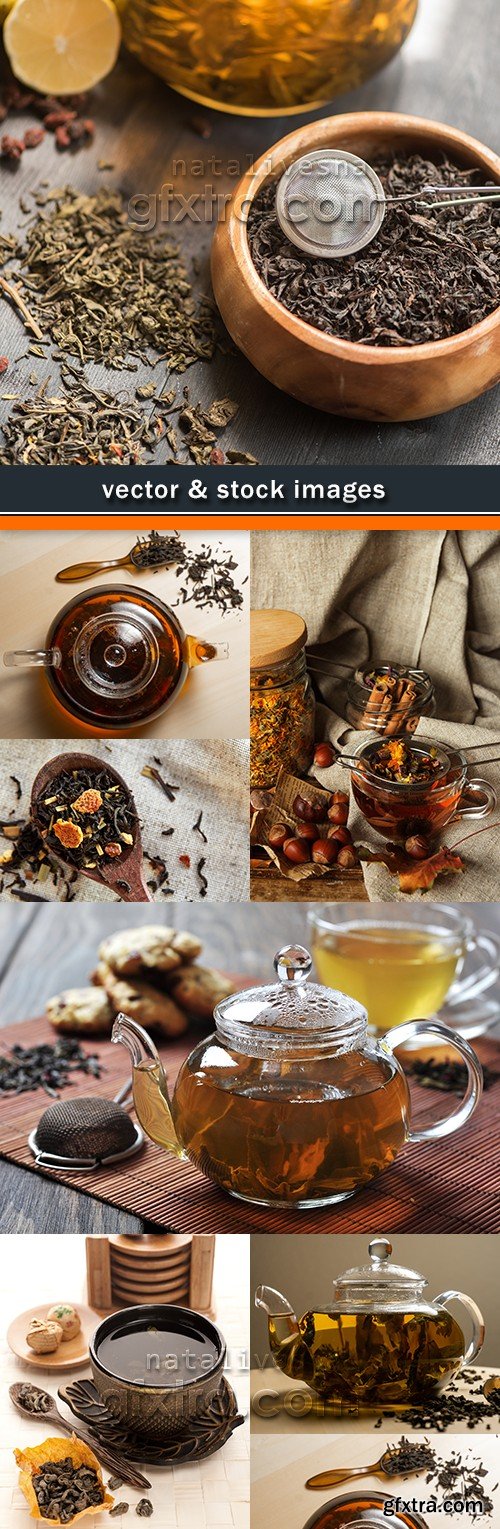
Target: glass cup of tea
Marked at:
401, 963
422, 803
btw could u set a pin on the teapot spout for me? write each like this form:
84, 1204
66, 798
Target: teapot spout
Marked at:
272, 1302
282, 1324
150, 1087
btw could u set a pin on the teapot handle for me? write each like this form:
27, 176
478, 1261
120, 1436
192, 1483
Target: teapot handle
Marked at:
457, 1118
42, 658
478, 1327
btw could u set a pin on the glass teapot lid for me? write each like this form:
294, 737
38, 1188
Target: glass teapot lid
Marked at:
292, 1014
379, 1284
117, 638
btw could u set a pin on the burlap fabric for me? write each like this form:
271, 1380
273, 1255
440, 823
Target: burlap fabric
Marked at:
424, 598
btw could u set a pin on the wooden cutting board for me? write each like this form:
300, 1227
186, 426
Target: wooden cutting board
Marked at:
450, 1185
267, 885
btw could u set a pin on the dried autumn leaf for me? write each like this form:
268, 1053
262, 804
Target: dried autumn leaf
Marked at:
424, 873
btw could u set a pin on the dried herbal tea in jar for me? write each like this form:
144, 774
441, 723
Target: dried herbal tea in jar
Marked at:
428, 274
282, 705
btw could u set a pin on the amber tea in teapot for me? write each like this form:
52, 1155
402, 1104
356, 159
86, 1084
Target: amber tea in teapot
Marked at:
368, 1510
381, 1342
116, 656
289, 1102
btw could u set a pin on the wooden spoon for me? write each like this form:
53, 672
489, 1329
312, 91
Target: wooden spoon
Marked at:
333, 1478
112, 1462
129, 867
85, 570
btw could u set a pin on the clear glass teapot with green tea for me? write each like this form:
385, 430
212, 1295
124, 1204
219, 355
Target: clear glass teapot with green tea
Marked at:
381, 1342
265, 57
290, 1102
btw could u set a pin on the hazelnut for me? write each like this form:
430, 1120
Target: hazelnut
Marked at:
338, 813
303, 809
341, 834
297, 850
417, 847
324, 852
339, 796
278, 834
309, 831
324, 756
348, 857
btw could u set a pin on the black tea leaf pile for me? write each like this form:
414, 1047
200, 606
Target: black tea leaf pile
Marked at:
427, 275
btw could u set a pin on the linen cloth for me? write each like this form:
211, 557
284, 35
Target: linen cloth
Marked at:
212, 776
429, 599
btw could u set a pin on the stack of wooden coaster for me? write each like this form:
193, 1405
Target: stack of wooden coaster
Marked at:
176, 1269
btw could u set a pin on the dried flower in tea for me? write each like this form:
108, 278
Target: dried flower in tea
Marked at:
426, 275
88, 815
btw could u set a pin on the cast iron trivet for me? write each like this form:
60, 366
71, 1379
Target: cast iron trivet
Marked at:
201, 1436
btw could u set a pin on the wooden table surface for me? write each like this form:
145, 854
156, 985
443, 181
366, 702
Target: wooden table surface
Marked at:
447, 70
44, 950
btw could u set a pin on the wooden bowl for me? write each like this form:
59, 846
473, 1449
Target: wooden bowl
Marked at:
361, 381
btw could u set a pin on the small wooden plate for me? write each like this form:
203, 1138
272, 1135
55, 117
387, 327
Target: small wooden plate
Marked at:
150, 1245
162, 1281
169, 1295
69, 1356
149, 1272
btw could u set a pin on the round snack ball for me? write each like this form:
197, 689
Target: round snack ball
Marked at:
67, 1318
44, 1337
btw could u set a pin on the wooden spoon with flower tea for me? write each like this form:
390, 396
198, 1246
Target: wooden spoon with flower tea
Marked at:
87, 833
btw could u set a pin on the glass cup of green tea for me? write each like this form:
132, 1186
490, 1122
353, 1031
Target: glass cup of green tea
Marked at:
401, 963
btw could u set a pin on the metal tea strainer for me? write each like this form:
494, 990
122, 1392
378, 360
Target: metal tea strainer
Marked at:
82, 1134
331, 204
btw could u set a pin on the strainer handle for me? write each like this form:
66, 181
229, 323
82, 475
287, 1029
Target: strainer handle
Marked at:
84, 1164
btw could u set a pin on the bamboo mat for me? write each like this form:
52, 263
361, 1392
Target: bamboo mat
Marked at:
450, 1185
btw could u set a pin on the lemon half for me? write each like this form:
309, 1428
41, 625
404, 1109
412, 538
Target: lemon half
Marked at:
62, 47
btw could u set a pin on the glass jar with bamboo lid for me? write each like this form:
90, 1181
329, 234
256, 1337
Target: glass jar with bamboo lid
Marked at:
265, 57
281, 700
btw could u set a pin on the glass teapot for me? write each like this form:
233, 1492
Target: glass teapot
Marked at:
116, 656
289, 1102
265, 57
381, 1343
